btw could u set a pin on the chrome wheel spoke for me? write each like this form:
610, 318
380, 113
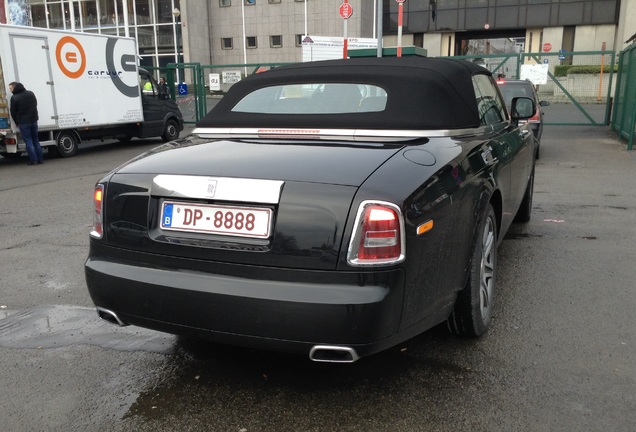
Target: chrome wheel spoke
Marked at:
487, 268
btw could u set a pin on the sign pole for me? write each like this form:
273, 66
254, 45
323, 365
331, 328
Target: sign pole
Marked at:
346, 37
400, 17
600, 84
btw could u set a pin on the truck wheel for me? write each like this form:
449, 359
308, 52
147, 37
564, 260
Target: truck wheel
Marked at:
473, 309
67, 144
171, 132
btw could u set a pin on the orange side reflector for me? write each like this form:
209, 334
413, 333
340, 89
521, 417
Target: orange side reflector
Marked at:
425, 227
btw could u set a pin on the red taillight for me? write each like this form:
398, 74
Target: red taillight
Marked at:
10, 141
378, 235
536, 117
98, 207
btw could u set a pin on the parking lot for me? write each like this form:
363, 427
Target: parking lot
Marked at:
560, 356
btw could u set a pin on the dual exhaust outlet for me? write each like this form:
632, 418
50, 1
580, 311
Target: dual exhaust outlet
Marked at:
318, 353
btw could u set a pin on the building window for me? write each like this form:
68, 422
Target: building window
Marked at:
273, 1
300, 1
226, 43
250, 2
250, 41
225, 3
299, 39
276, 41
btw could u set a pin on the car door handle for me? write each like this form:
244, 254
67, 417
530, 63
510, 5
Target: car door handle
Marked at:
524, 132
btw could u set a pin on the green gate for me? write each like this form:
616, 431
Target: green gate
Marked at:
195, 104
624, 117
192, 102
578, 87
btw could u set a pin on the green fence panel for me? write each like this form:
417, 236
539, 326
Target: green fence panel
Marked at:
578, 84
579, 87
624, 116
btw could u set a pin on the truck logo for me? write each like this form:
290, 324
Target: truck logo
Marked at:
128, 63
70, 57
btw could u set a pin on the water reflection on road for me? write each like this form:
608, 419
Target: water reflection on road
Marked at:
61, 326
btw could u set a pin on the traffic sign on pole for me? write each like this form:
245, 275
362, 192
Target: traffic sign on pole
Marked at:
400, 15
346, 10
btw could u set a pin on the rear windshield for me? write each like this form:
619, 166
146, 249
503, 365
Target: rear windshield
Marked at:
511, 91
319, 98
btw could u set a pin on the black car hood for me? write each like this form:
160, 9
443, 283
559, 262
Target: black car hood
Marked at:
347, 164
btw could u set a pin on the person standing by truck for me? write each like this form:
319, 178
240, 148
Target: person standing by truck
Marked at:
24, 111
163, 85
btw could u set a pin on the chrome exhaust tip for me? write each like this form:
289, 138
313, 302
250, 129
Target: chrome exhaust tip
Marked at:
333, 354
110, 316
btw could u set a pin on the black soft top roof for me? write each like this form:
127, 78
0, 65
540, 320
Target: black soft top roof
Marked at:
422, 93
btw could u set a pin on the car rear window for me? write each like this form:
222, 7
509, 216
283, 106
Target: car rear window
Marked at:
511, 91
317, 98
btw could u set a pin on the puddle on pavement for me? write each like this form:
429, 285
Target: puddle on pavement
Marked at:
62, 326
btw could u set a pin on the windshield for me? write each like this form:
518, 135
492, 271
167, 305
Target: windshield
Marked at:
318, 98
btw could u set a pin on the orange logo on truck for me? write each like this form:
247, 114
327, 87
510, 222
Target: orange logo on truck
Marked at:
70, 59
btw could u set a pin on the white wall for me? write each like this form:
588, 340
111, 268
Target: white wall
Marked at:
591, 38
627, 24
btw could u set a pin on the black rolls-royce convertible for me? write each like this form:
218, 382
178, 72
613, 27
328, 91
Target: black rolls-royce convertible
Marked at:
332, 209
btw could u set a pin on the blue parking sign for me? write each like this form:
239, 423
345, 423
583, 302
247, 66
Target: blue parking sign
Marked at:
183, 89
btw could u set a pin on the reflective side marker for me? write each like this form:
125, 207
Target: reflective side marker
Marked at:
425, 227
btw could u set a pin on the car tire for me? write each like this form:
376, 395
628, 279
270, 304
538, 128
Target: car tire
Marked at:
472, 313
171, 131
67, 144
525, 209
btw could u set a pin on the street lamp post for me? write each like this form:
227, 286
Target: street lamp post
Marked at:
177, 24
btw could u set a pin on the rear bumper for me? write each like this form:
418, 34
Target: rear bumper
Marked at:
279, 309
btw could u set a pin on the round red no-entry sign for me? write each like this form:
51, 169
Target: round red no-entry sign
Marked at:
547, 47
346, 10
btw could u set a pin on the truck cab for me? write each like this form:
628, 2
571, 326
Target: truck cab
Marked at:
162, 117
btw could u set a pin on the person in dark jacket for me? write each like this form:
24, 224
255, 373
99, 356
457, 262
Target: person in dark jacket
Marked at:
24, 111
163, 85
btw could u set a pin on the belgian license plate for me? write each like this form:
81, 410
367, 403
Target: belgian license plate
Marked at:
213, 219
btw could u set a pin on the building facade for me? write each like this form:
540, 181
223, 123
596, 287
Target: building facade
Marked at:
153, 23
443, 26
270, 31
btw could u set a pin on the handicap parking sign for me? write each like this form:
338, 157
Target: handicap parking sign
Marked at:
183, 89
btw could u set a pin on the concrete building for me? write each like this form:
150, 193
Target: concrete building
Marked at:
443, 26
252, 31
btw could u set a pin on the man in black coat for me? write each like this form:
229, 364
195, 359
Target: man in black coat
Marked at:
24, 111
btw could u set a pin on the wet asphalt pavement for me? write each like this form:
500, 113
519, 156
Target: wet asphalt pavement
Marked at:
561, 355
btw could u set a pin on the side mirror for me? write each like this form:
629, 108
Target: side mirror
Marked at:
522, 108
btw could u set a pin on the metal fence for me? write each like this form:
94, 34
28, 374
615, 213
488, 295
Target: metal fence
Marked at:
579, 84
201, 95
624, 117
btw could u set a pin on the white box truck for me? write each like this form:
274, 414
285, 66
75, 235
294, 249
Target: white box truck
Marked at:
88, 86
